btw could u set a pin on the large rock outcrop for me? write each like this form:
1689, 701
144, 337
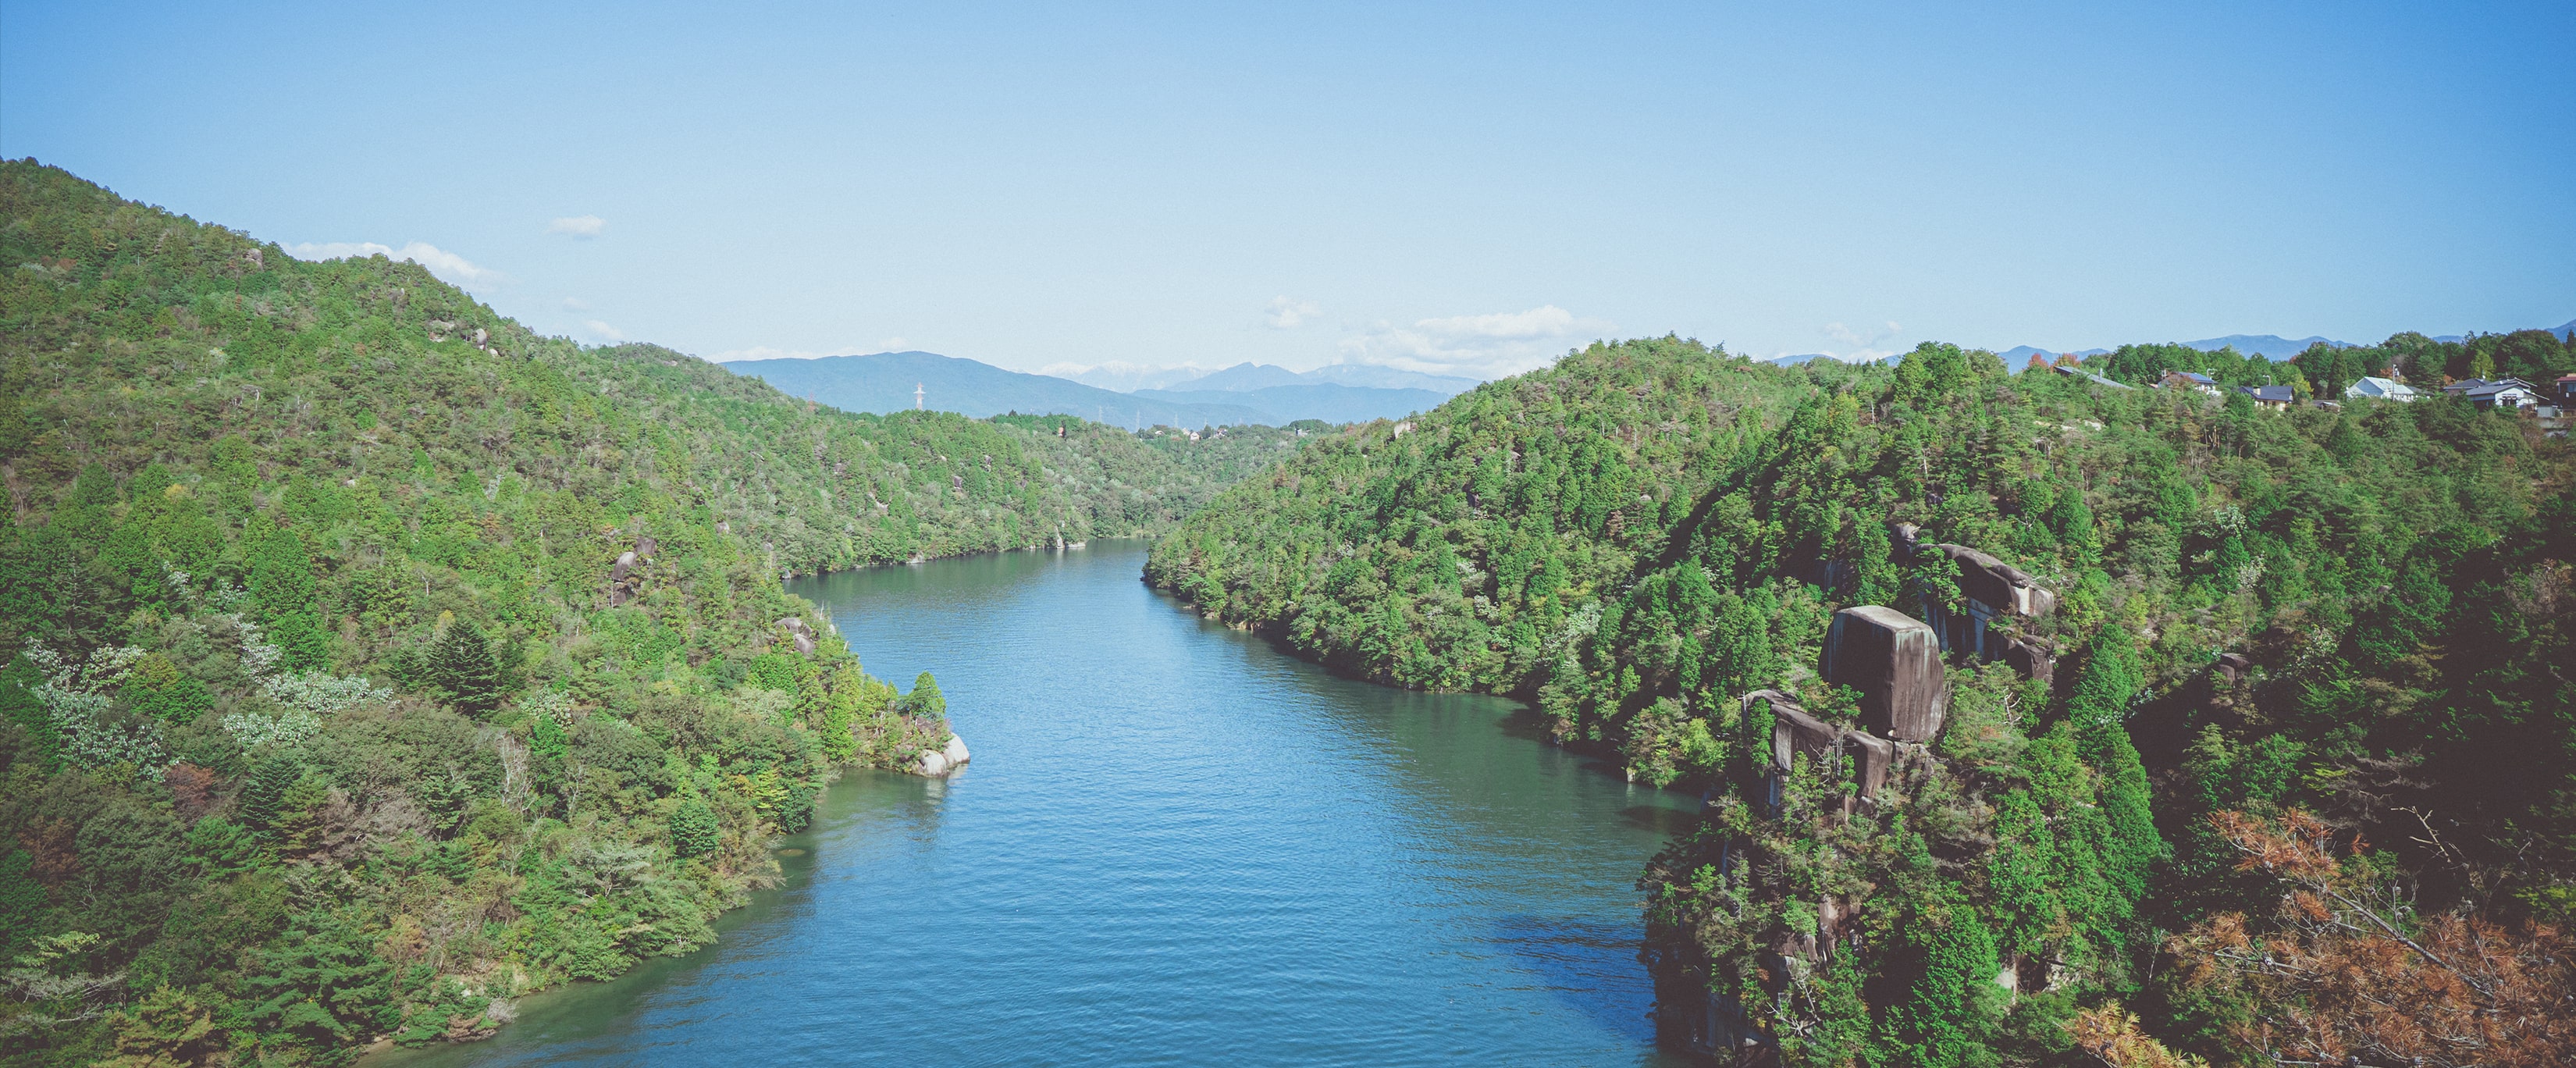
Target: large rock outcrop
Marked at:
626, 576
801, 633
1894, 660
944, 760
1795, 733
2003, 604
1712, 1020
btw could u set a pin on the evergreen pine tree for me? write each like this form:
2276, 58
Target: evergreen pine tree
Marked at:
2098, 709
298, 825
2104, 688
693, 828
547, 740
464, 666
840, 711
167, 1026
318, 988
281, 583
22, 899
924, 700
2073, 524
19, 706
2135, 845
1876, 572
1948, 1006
263, 795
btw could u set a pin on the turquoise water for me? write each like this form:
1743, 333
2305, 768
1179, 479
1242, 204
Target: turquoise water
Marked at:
1175, 845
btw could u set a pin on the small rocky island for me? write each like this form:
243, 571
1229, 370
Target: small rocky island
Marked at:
942, 761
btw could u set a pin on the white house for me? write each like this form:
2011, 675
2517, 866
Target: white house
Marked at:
2382, 389
2498, 393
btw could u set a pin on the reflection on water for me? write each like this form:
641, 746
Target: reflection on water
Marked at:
1175, 846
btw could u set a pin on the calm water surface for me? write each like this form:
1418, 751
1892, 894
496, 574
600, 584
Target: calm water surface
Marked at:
1175, 845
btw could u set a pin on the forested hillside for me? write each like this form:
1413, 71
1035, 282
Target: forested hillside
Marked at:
370, 660
2276, 763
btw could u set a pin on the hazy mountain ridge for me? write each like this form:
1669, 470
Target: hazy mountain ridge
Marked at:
1121, 377
2021, 354
1246, 393
1250, 376
884, 382
1330, 402
2269, 346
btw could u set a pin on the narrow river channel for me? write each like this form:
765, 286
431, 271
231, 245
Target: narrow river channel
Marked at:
1175, 845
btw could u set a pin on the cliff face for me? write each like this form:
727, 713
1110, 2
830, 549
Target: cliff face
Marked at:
1970, 666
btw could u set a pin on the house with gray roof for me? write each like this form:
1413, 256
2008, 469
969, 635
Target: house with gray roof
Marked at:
2269, 398
2494, 392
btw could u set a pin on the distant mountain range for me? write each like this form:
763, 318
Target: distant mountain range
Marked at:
2272, 346
1363, 375
2269, 346
1810, 357
1246, 393
1122, 377
884, 382
2019, 356
1328, 401
2565, 331
1341, 393
1244, 377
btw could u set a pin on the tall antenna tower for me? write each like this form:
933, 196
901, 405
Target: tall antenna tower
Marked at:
916, 397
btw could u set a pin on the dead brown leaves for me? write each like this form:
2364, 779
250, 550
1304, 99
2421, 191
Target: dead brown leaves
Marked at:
2345, 971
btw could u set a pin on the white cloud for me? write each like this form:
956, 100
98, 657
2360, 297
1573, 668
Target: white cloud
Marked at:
602, 331
575, 304
584, 227
447, 266
768, 352
1287, 313
1547, 321
1477, 346
1862, 345
1124, 377
764, 352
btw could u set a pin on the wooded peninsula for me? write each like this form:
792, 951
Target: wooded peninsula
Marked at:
2137, 710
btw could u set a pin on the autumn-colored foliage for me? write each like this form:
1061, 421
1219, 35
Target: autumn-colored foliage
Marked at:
2110, 1033
2345, 968
192, 788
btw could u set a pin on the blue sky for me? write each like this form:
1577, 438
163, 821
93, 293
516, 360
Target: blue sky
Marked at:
1466, 188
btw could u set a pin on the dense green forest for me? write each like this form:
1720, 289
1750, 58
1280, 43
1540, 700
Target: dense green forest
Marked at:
2286, 773
367, 660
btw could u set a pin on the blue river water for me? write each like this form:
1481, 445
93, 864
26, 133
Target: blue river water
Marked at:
1175, 845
